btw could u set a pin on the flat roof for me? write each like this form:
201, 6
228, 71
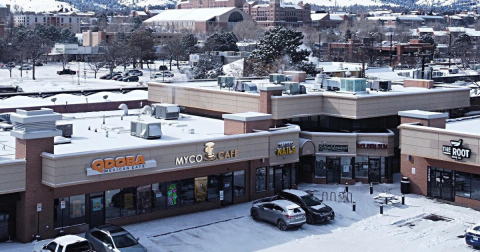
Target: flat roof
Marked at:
470, 125
119, 137
422, 114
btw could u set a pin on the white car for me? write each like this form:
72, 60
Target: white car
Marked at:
167, 74
25, 67
67, 243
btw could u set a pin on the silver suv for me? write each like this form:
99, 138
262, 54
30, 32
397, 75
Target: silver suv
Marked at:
282, 213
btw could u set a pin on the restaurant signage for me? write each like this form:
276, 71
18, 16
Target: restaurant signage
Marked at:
456, 151
285, 148
119, 164
209, 155
333, 148
372, 145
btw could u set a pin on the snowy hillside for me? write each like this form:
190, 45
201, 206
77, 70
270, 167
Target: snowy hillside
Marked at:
342, 2
35, 5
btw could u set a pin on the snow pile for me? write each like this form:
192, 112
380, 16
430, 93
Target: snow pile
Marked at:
234, 68
36, 5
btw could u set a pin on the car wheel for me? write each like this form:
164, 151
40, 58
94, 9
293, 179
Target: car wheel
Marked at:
309, 219
281, 225
254, 215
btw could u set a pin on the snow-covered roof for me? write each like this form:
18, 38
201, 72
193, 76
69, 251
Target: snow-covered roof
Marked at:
290, 5
141, 13
410, 17
318, 16
456, 29
336, 17
440, 33
473, 33
2, 6
425, 29
202, 14
465, 125
431, 17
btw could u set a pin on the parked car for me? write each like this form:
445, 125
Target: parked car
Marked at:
130, 78
67, 243
38, 63
25, 67
121, 78
10, 64
315, 210
66, 71
134, 72
167, 74
117, 76
111, 238
472, 235
282, 213
163, 68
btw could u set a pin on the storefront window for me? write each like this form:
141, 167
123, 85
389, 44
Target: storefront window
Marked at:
159, 195
213, 187
261, 179
60, 221
294, 175
77, 210
475, 185
286, 176
462, 184
144, 199
320, 168
187, 194
270, 178
346, 163
173, 194
361, 167
239, 182
112, 209
127, 200
201, 189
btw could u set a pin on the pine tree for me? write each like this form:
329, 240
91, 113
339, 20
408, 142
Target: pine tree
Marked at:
189, 44
207, 68
223, 41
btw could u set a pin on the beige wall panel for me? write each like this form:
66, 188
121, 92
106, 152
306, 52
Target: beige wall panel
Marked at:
12, 186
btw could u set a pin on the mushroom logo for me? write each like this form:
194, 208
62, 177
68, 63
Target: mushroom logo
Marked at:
209, 155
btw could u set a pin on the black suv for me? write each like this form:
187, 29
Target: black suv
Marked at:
315, 210
66, 71
130, 78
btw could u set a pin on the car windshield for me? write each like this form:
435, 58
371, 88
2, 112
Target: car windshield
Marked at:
124, 240
311, 200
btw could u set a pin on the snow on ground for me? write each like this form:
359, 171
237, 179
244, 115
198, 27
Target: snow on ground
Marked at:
36, 5
143, 3
234, 69
339, 2
401, 228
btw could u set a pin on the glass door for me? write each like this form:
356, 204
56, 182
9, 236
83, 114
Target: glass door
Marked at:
440, 184
227, 188
333, 170
278, 183
374, 170
97, 211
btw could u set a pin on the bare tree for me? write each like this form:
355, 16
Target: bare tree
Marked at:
96, 63
247, 31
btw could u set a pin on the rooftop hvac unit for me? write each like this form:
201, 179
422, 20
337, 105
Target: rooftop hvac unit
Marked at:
291, 88
277, 78
353, 84
245, 86
303, 89
5, 117
331, 84
427, 75
226, 81
67, 129
146, 130
166, 111
381, 85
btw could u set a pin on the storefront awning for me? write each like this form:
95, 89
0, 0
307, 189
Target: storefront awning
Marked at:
307, 147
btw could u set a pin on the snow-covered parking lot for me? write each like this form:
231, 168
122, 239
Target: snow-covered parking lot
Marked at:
401, 228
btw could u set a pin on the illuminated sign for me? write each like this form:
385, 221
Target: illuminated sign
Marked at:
209, 155
372, 145
456, 151
285, 148
119, 164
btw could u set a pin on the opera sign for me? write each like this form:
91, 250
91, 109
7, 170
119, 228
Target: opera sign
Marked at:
285, 148
209, 155
119, 164
456, 151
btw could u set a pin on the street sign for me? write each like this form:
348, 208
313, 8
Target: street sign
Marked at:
39, 207
62, 204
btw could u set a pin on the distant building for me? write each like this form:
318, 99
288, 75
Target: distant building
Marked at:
326, 20
195, 4
198, 20
96, 38
144, 16
69, 20
4, 14
278, 13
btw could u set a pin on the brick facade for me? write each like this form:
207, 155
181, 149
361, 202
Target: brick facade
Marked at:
265, 105
238, 127
436, 123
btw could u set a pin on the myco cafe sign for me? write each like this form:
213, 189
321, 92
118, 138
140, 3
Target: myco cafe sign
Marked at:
209, 155
119, 164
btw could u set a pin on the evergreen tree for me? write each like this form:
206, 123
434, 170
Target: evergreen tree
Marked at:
189, 44
207, 68
223, 41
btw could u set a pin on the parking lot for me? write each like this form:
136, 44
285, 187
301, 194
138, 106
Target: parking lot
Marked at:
416, 226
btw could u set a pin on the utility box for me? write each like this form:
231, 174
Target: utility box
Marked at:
146, 130
67, 129
166, 111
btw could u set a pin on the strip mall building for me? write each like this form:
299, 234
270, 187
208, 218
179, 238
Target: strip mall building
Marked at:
441, 157
226, 148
